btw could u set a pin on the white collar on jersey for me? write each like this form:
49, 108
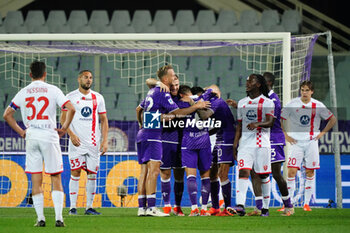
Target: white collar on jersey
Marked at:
260, 96
270, 92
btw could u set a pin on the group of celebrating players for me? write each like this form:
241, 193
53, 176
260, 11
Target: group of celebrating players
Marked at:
255, 141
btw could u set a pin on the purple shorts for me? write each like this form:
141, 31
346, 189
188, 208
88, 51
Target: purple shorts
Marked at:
197, 158
223, 154
149, 150
171, 156
277, 153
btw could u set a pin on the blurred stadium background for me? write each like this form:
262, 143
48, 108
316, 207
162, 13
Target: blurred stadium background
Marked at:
201, 16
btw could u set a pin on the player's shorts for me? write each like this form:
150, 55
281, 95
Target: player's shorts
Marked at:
38, 152
149, 151
277, 154
88, 161
197, 158
305, 152
223, 154
258, 158
171, 156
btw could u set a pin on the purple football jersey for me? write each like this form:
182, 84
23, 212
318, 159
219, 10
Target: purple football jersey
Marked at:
171, 134
156, 101
276, 133
223, 113
193, 138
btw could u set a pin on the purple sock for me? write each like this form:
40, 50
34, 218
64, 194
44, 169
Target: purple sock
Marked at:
192, 189
205, 190
142, 201
226, 192
287, 203
259, 204
151, 200
166, 189
178, 189
214, 192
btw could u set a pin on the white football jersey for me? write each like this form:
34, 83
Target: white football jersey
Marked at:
85, 123
305, 119
38, 103
251, 111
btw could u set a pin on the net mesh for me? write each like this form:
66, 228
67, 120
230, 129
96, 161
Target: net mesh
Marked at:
120, 69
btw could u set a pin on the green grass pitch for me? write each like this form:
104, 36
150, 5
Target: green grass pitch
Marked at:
125, 220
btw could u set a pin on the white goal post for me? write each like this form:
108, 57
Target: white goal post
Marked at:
135, 57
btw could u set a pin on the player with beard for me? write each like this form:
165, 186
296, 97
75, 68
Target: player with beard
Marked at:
85, 142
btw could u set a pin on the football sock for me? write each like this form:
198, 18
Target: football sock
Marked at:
178, 189
38, 202
90, 190
291, 187
266, 192
192, 189
214, 193
151, 200
287, 202
241, 193
226, 192
166, 189
73, 191
259, 202
205, 191
57, 199
309, 189
142, 201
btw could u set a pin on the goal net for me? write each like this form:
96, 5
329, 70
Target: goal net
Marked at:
120, 66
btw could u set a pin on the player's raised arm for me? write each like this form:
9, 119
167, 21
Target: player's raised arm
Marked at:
8, 117
151, 82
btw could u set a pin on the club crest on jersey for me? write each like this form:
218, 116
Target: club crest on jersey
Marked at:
304, 119
151, 120
86, 111
251, 115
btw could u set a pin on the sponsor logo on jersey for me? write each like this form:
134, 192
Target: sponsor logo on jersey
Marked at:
151, 120
86, 111
304, 119
251, 115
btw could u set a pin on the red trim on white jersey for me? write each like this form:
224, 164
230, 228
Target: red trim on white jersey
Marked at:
94, 108
312, 122
258, 134
102, 112
62, 107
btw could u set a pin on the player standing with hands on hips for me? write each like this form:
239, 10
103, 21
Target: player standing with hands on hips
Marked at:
305, 114
85, 139
37, 102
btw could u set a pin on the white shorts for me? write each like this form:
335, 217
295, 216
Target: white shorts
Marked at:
89, 160
258, 158
38, 152
305, 152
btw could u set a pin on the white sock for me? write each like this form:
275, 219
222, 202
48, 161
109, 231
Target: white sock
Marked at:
241, 193
204, 207
291, 188
73, 191
193, 207
266, 191
90, 190
57, 198
309, 189
38, 202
